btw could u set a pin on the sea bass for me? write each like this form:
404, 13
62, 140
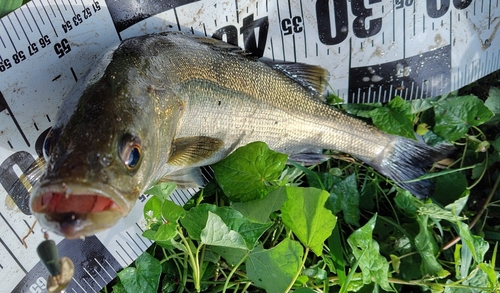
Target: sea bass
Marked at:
158, 106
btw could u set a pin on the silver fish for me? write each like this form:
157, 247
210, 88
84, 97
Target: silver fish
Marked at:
158, 106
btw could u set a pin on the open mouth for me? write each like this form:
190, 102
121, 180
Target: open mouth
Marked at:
59, 202
76, 211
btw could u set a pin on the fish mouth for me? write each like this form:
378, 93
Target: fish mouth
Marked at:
75, 210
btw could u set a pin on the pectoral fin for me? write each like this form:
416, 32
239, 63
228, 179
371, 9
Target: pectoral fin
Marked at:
185, 178
188, 151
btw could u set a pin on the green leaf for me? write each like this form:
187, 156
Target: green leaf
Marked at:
246, 173
454, 116
231, 255
305, 214
427, 248
449, 187
366, 250
275, 269
344, 196
166, 232
118, 287
152, 209
6, 6
395, 118
171, 211
361, 110
407, 203
493, 103
336, 252
196, 220
259, 210
477, 245
145, 277
162, 190
217, 233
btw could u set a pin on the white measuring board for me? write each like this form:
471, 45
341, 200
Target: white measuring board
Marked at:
373, 49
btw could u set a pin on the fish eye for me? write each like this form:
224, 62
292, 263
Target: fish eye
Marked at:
129, 149
48, 144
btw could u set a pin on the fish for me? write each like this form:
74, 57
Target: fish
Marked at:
159, 106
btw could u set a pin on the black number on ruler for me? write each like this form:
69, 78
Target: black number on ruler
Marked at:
251, 43
32, 49
87, 13
77, 19
249, 38
62, 48
324, 14
96, 6
435, 12
44, 41
231, 33
39, 286
359, 25
403, 3
67, 26
18, 57
5, 64
290, 26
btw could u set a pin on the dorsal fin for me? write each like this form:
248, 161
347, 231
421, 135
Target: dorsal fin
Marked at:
312, 77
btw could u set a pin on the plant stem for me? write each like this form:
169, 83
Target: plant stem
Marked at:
193, 259
304, 258
233, 271
478, 215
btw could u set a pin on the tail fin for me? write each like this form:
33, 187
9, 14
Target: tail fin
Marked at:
406, 162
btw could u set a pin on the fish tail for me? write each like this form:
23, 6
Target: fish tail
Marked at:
407, 161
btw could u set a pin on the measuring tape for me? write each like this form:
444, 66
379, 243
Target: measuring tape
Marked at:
414, 49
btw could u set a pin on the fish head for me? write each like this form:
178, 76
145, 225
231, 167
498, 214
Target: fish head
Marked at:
104, 150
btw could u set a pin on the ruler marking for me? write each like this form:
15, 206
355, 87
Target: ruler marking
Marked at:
88, 285
3, 46
5, 106
13, 231
99, 274
92, 277
116, 251
22, 27
74, 74
394, 20
38, 11
133, 250
237, 12
124, 250
404, 32
13, 256
48, 17
177, 20
303, 28
78, 284
70, 5
281, 30
29, 227
8, 35
106, 271
26, 19
133, 240
59, 9
13, 27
